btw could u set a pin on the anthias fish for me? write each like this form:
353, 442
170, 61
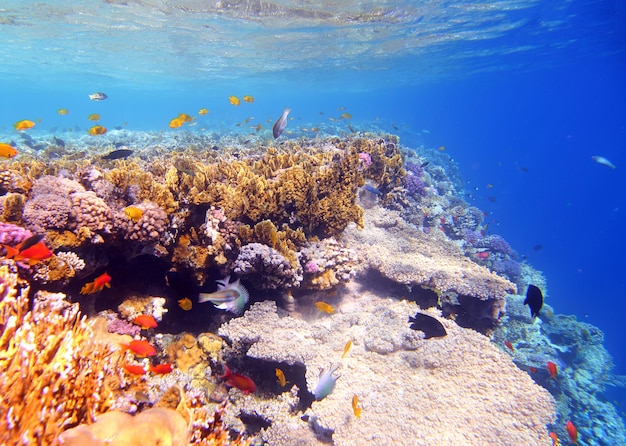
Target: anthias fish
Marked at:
24, 124
133, 212
160, 369
139, 348
346, 349
552, 369
145, 321
534, 300
355, 406
103, 280
97, 130
572, 432
32, 250
281, 123
431, 327
7, 151
242, 382
134, 369
97, 96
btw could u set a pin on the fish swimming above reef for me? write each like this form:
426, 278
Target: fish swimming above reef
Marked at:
602, 160
431, 327
326, 383
97, 96
326, 308
572, 432
97, 130
24, 124
98, 284
534, 299
280, 376
117, 154
145, 321
281, 123
139, 348
7, 151
133, 212
33, 250
242, 382
229, 296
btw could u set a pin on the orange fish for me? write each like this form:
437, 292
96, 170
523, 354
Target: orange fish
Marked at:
33, 250
97, 130
7, 151
280, 375
94, 117
483, 255
346, 349
185, 303
234, 100
355, 406
203, 111
24, 124
326, 308
572, 432
103, 280
145, 321
555, 439
160, 369
509, 345
139, 348
532, 369
248, 99
176, 122
243, 383
552, 369
134, 369
185, 117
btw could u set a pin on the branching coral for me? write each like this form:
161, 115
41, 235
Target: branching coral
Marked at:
55, 374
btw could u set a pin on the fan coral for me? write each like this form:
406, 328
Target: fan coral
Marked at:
266, 268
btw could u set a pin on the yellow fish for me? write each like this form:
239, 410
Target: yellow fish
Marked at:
326, 308
281, 377
185, 303
248, 99
176, 122
355, 406
94, 117
97, 130
346, 349
203, 111
185, 117
24, 124
63, 111
442, 148
7, 151
346, 116
133, 212
234, 100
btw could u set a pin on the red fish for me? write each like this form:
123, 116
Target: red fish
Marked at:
33, 250
160, 369
134, 369
103, 280
572, 432
552, 369
139, 348
532, 369
483, 255
509, 345
145, 321
243, 383
555, 439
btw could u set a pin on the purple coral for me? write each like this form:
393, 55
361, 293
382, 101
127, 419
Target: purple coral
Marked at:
150, 227
268, 269
120, 326
507, 267
495, 243
414, 184
12, 234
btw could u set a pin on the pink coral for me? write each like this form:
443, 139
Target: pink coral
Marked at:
89, 210
12, 234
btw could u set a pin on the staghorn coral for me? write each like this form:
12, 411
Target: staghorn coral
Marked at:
55, 373
266, 268
406, 255
478, 395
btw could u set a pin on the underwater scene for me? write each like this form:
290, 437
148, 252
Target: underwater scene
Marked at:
295, 222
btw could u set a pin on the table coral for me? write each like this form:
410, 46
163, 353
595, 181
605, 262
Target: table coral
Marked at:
455, 390
55, 373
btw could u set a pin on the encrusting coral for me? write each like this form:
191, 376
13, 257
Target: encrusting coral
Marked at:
55, 374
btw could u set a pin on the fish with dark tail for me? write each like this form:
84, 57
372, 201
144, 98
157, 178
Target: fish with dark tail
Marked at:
431, 327
117, 154
534, 299
280, 124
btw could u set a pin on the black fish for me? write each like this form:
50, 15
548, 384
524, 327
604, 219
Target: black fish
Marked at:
431, 327
117, 154
280, 124
534, 299
30, 241
58, 141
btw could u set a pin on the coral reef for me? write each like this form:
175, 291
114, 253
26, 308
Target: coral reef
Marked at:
266, 268
12, 235
55, 373
498, 404
409, 256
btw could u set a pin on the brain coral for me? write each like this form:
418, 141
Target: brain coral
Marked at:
459, 389
409, 256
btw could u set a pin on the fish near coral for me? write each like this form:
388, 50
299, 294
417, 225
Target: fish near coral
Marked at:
7, 151
509, 345
24, 124
185, 303
572, 432
145, 321
355, 406
555, 439
97, 130
139, 348
231, 297
33, 250
134, 369
431, 327
552, 369
63, 111
133, 212
242, 382
94, 117
103, 280
160, 369
280, 124
346, 349
280, 375
534, 299
326, 383
176, 123
326, 308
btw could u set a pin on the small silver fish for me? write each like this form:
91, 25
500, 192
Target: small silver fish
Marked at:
281, 123
221, 296
97, 96
602, 160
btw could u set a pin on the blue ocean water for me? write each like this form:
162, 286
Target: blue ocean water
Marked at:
520, 93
